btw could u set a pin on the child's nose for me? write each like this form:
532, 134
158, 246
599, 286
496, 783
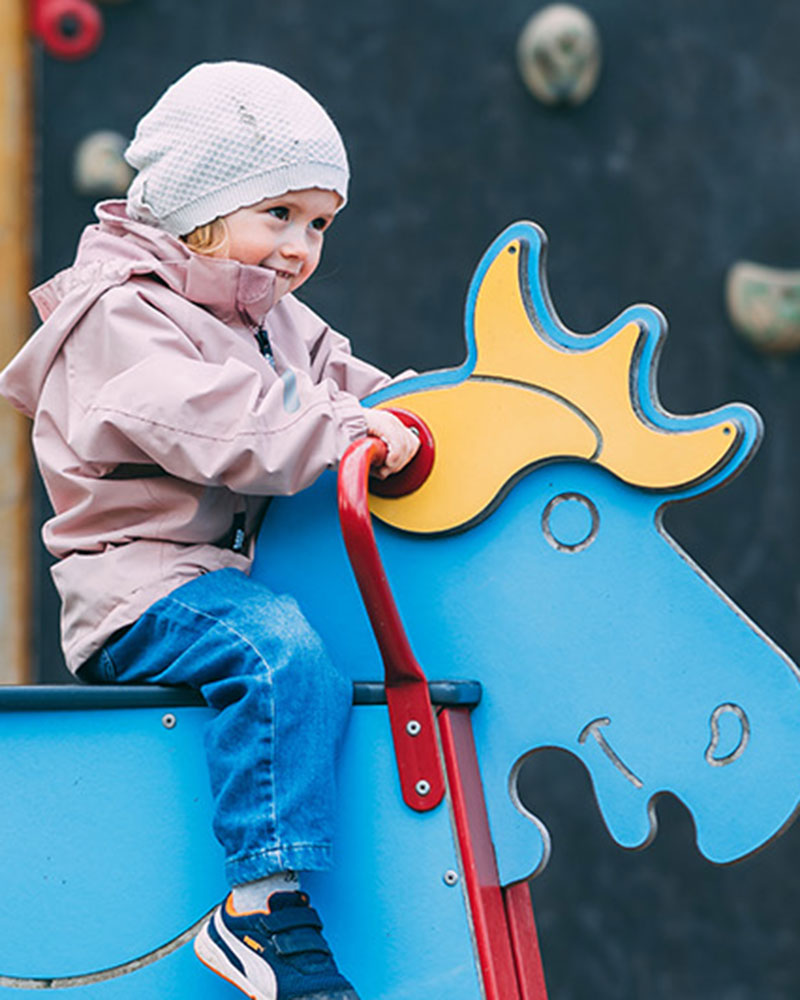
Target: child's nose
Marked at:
295, 245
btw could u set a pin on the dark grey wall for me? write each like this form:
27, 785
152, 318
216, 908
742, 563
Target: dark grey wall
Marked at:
685, 159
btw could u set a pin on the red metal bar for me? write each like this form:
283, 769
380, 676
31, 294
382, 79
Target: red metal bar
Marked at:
486, 906
524, 941
502, 919
407, 696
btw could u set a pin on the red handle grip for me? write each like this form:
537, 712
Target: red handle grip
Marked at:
413, 475
399, 661
407, 695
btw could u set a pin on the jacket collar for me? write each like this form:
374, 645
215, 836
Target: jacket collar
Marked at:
121, 247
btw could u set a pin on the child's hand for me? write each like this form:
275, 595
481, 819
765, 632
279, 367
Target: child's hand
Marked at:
401, 443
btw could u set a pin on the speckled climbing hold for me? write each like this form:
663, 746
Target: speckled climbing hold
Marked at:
99, 168
559, 54
764, 305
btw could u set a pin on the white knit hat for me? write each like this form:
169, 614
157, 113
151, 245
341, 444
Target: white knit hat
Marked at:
227, 135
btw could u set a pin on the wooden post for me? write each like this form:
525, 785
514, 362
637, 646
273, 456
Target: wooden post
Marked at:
15, 273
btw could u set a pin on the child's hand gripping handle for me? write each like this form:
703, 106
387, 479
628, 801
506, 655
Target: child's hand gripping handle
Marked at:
396, 429
407, 696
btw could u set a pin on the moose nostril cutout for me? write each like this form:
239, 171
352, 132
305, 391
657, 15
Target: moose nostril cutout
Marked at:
570, 522
736, 733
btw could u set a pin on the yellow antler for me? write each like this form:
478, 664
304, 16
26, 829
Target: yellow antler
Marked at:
530, 399
598, 382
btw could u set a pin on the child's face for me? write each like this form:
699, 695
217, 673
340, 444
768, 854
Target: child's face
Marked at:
284, 234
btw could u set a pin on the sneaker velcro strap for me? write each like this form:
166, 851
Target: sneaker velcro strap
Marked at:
291, 917
300, 939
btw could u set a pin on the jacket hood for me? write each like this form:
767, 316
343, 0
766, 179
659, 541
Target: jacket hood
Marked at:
110, 252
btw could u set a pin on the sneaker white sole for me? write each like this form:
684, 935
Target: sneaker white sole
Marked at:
215, 959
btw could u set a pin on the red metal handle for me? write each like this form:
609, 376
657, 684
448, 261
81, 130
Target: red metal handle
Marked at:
69, 29
407, 695
413, 475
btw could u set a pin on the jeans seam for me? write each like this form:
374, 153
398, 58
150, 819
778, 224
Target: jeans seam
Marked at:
243, 638
324, 845
258, 864
108, 667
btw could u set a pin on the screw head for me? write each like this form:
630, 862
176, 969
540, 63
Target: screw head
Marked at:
450, 877
422, 787
168, 721
413, 728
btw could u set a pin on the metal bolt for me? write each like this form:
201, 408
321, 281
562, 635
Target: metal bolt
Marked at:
413, 728
168, 721
422, 787
450, 877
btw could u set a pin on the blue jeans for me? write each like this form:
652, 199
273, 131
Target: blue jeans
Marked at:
282, 710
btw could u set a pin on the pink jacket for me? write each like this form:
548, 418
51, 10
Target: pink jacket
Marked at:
157, 419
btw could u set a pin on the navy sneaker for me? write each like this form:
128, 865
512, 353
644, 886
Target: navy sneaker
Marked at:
274, 954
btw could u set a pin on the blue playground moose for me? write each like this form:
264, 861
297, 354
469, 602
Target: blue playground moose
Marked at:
523, 568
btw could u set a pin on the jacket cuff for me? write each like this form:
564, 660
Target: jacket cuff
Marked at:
350, 420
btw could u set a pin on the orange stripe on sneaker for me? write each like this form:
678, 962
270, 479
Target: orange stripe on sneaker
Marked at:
229, 909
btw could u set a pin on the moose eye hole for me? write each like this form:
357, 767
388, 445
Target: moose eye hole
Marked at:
730, 734
570, 522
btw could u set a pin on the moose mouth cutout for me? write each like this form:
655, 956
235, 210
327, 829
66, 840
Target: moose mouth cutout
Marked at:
711, 756
550, 393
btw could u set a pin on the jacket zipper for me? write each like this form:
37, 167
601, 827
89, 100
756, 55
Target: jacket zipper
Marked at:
264, 346
238, 534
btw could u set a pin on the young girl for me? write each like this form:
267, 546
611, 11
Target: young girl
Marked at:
175, 384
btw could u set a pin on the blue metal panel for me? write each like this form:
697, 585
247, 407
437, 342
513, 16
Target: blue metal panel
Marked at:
106, 828
106, 817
